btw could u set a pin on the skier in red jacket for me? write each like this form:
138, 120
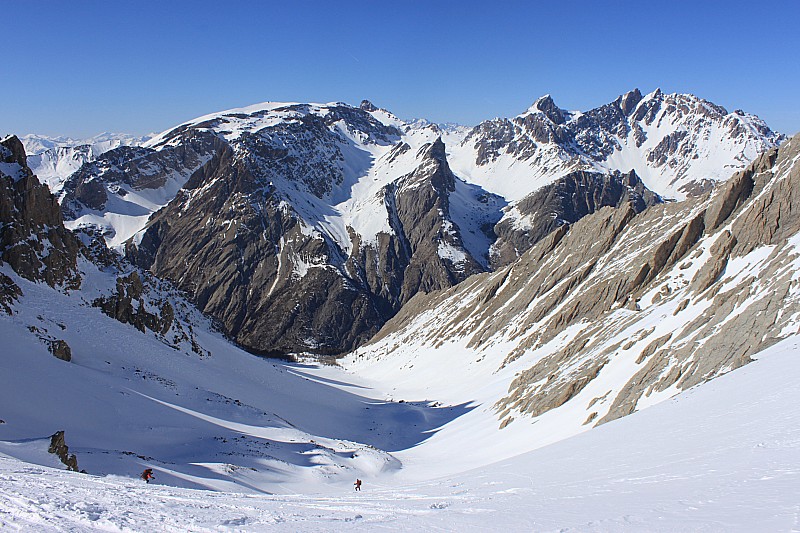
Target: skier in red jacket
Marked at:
147, 475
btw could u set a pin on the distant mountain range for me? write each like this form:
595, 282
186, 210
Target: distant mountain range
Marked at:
54, 159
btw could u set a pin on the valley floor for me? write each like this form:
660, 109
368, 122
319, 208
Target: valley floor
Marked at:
721, 457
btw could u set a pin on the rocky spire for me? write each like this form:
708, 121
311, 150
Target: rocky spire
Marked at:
628, 101
368, 106
546, 105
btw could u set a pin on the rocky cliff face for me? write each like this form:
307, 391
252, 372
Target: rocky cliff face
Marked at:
117, 191
241, 239
566, 201
38, 248
33, 239
622, 309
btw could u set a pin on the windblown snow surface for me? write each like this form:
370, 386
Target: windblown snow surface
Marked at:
239, 442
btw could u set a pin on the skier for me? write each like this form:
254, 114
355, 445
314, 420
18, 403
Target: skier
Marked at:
147, 475
358, 484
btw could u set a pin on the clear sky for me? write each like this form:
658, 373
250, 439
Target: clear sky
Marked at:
80, 67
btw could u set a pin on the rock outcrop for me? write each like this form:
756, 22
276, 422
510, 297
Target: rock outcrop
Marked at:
33, 239
128, 306
60, 350
59, 448
38, 247
566, 201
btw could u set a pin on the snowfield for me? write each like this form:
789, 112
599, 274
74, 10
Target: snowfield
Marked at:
724, 456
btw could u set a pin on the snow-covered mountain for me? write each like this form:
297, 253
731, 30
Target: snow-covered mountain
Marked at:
612, 314
421, 429
679, 144
307, 226
54, 159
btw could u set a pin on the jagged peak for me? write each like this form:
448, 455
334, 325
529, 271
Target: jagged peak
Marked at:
655, 95
628, 101
545, 105
433, 150
368, 106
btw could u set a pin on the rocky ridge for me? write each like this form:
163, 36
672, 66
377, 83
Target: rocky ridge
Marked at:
679, 144
566, 201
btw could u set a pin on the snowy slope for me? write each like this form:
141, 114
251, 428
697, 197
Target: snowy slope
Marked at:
215, 417
722, 457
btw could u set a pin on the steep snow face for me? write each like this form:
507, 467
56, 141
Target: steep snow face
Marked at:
679, 144
54, 159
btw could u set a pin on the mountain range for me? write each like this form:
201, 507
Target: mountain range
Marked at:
305, 227
489, 290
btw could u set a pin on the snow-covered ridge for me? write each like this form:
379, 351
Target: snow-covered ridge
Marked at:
679, 144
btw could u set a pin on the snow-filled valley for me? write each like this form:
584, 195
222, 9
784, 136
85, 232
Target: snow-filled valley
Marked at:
721, 457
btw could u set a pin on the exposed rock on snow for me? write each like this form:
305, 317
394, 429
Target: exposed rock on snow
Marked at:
60, 350
59, 448
121, 306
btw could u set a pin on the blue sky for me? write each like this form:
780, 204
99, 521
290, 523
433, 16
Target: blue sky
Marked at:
81, 67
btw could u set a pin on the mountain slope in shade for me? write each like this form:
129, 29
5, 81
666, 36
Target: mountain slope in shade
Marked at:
722, 456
